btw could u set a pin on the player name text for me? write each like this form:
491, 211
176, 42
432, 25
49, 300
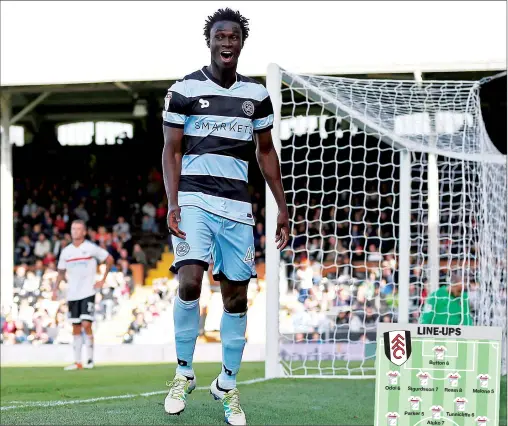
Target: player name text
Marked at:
414, 413
452, 390
431, 362
459, 414
421, 389
389, 388
483, 390
435, 422
439, 331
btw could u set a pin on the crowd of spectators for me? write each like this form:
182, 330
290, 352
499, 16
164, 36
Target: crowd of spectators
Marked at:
340, 266
147, 312
43, 214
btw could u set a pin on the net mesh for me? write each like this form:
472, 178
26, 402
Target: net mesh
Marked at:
340, 161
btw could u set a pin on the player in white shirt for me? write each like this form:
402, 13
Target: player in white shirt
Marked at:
79, 262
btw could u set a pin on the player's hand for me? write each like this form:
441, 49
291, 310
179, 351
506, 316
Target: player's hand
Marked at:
282, 232
173, 221
99, 284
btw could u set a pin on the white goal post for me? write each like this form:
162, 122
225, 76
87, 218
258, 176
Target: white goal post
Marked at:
393, 187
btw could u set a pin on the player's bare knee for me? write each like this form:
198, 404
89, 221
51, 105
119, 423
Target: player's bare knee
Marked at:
76, 329
87, 327
235, 303
190, 278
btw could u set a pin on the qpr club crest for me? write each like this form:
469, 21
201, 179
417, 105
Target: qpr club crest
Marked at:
167, 100
248, 108
397, 346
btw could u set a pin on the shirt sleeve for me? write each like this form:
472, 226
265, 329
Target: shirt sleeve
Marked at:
100, 254
176, 106
263, 115
61, 262
466, 313
429, 310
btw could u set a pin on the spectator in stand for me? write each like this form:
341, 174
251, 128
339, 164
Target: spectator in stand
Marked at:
24, 250
49, 259
138, 323
374, 255
81, 212
42, 247
149, 209
29, 208
39, 268
122, 227
304, 276
139, 255
148, 224
56, 244
103, 237
124, 255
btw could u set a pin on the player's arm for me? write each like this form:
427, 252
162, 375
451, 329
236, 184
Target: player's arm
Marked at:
269, 164
467, 318
103, 256
172, 168
109, 264
176, 105
270, 168
429, 310
61, 275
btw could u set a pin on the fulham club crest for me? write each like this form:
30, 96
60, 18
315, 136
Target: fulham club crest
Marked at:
397, 346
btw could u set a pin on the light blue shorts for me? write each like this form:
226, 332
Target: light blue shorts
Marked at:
210, 238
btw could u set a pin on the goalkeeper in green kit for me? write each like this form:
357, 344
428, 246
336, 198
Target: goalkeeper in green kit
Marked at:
449, 305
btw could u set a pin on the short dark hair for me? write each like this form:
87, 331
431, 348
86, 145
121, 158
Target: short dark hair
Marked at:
227, 14
79, 222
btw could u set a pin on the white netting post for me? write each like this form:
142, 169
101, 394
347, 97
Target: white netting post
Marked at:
6, 210
433, 256
351, 151
272, 262
433, 217
404, 252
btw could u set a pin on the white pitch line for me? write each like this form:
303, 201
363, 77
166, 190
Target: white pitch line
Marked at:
28, 404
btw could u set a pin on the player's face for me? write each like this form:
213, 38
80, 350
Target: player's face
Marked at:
458, 289
225, 44
77, 231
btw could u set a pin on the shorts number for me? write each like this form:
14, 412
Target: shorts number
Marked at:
249, 256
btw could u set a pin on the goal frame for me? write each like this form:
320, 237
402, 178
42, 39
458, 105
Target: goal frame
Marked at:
405, 147
274, 81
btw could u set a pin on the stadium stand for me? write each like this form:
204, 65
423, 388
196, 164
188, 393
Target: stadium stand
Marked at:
122, 199
324, 297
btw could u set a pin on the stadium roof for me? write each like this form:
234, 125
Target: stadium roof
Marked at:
56, 43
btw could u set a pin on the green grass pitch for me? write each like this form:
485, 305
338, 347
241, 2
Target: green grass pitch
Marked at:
49, 395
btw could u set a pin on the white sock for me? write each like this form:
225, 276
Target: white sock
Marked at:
77, 344
89, 347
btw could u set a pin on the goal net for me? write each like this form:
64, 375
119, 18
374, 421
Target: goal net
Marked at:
393, 187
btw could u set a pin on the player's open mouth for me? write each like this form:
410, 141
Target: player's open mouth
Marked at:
226, 55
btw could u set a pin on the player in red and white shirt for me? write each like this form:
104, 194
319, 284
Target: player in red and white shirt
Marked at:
78, 261
436, 411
